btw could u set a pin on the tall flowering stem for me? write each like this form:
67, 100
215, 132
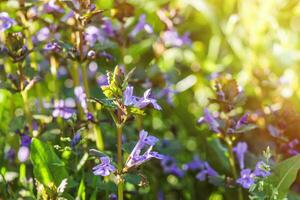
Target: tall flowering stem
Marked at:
233, 165
120, 161
79, 44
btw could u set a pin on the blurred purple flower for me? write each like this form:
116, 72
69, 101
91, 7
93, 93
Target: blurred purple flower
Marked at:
61, 109
207, 171
240, 149
262, 169
90, 116
108, 28
170, 166
195, 164
246, 179
43, 34
81, 97
112, 196
93, 35
105, 168
291, 147
243, 120
211, 121
5, 21
136, 158
52, 46
25, 140
23, 153
172, 38
141, 26
75, 140
102, 80
11, 154
52, 7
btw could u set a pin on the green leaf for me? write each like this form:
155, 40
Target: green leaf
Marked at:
104, 102
47, 167
283, 176
246, 128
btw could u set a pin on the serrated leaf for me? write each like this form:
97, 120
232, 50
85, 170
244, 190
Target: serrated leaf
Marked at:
47, 167
284, 175
104, 102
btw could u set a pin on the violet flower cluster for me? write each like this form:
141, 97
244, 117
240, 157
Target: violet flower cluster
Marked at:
142, 151
105, 168
139, 102
249, 177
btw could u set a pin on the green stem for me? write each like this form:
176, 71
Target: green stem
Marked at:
24, 94
233, 166
120, 161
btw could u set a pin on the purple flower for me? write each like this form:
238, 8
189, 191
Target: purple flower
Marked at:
246, 179
139, 102
243, 120
195, 164
11, 154
146, 100
90, 116
93, 35
112, 196
23, 153
108, 28
262, 169
25, 140
52, 7
291, 147
81, 97
172, 38
5, 21
105, 168
136, 158
102, 80
170, 166
43, 34
240, 149
52, 46
129, 99
61, 109
140, 26
207, 171
213, 123
76, 139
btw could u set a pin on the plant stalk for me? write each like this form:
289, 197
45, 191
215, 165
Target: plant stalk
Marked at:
233, 166
120, 161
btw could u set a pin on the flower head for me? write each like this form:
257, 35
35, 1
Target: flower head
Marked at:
173, 39
195, 164
246, 179
243, 120
81, 97
170, 166
207, 171
240, 149
104, 168
140, 26
136, 157
211, 121
262, 169
146, 100
25, 140
5, 21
